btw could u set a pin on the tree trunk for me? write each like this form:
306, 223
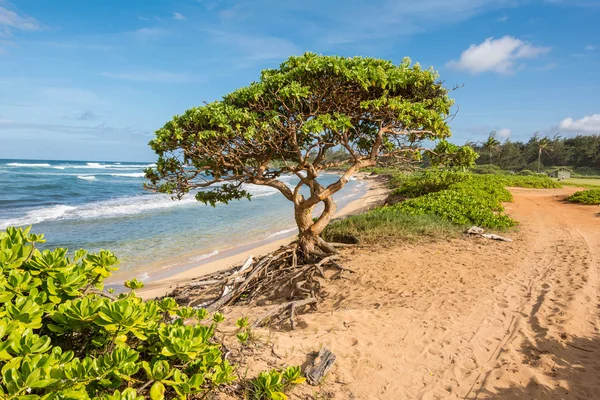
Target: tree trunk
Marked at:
539, 160
309, 237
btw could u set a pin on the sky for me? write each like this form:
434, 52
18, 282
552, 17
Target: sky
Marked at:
92, 80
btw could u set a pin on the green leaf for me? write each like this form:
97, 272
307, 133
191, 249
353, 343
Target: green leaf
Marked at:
157, 391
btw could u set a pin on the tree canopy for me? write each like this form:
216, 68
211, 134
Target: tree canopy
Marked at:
582, 152
287, 121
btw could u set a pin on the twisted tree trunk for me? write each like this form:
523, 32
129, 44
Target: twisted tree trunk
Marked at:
309, 238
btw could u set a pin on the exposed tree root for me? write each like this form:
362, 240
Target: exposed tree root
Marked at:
287, 274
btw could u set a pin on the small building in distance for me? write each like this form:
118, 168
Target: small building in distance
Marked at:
560, 174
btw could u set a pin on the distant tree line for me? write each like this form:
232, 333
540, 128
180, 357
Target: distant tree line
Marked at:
582, 152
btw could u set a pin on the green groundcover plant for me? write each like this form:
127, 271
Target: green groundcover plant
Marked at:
590, 196
448, 195
465, 198
61, 337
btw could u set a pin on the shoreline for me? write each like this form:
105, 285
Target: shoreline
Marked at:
374, 194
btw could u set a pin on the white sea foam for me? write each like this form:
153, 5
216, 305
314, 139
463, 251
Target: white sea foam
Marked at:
259, 190
38, 215
87, 177
143, 277
130, 175
59, 167
204, 256
16, 164
282, 232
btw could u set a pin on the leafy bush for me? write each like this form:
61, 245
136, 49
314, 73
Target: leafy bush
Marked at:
590, 196
429, 181
61, 337
271, 385
473, 200
534, 182
526, 172
463, 204
487, 169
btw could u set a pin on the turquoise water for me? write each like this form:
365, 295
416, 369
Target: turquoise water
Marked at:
96, 205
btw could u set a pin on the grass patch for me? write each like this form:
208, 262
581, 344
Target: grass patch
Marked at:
590, 196
387, 223
582, 182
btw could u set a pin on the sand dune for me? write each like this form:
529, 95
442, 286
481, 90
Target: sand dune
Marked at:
462, 319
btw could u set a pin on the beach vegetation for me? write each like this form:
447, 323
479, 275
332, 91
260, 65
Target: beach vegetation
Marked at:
290, 120
62, 336
435, 203
590, 196
272, 385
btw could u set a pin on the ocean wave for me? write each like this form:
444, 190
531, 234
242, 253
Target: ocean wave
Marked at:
259, 190
16, 164
204, 256
38, 215
130, 175
99, 210
282, 232
86, 177
143, 277
118, 167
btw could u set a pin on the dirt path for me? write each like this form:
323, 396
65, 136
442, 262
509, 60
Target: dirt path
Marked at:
464, 319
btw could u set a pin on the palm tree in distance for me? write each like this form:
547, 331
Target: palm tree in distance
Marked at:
543, 147
491, 144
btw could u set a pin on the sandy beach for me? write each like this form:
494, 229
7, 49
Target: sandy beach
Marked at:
374, 194
466, 318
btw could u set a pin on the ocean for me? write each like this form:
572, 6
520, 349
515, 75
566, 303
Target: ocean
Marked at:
102, 205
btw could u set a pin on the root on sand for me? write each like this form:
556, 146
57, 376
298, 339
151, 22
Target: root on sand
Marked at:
285, 276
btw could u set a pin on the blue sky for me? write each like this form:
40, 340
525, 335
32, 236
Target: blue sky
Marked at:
93, 79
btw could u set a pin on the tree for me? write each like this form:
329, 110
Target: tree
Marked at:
491, 144
451, 155
287, 122
543, 146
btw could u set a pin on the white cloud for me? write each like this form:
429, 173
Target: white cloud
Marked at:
589, 124
496, 55
149, 32
13, 20
504, 133
150, 76
590, 47
179, 16
503, 18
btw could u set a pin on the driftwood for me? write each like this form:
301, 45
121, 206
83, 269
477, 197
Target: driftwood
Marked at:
320, 366
495, 237
282, 309
228, 292
475, 230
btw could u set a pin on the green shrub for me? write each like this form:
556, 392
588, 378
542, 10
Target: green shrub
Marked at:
590, 196
526, 172
271, 385
463, 205
487, 169
61, 337
534, 182
429, 181
473, 200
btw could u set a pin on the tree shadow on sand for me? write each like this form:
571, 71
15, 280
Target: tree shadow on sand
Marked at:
559, 368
